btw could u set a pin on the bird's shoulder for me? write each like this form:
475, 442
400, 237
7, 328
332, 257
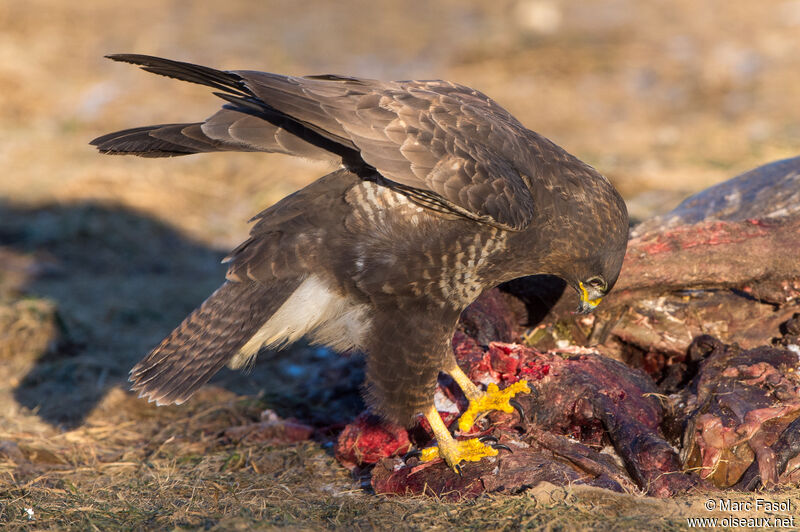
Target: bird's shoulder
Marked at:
446, 144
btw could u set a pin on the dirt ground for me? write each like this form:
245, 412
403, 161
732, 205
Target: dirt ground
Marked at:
101, 256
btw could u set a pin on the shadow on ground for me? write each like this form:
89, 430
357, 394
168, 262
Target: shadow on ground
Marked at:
120, 281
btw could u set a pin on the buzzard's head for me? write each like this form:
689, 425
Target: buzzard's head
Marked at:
594, 278
591, 292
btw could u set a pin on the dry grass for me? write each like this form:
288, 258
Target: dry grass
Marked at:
131, 466
100, 256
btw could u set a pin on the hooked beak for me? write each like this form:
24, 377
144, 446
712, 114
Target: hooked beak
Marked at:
587, 305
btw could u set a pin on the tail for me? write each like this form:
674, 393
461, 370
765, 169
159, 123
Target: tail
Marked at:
206, 340
245, 123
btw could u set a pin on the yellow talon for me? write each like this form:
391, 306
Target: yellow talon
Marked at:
453, 451
493, 399
471, 450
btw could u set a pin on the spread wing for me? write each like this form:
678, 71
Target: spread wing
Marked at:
447, 146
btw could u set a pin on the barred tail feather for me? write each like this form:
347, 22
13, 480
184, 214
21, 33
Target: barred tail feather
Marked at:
206, 340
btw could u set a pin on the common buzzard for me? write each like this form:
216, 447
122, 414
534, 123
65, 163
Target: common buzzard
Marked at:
440, 195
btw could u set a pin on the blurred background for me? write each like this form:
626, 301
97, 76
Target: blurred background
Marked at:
665, 97
100, 257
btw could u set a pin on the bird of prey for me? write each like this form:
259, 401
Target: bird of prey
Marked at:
440, 194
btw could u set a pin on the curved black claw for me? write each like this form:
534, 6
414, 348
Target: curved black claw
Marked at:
518, 408
494, 443
458, 470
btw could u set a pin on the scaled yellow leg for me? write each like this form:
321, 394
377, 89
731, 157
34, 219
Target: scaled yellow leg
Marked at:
471, 391
479, 402
452, 451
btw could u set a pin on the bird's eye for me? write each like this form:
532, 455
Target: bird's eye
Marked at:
597, 283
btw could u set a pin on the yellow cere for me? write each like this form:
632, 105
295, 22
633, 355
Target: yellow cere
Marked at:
585, 297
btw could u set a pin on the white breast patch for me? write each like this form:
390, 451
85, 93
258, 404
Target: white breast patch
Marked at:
313, 310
